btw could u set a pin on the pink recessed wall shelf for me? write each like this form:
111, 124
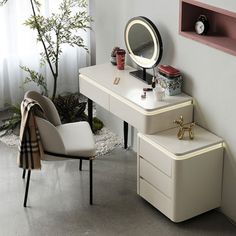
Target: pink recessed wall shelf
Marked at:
222, 31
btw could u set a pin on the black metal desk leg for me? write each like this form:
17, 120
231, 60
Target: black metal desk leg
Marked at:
91, 181
80, 164
23, 174
125, 134
90, 113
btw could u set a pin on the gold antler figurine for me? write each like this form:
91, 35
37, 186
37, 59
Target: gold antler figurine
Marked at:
183, 128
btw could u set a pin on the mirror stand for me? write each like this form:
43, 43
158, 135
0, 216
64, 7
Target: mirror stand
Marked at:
142, 75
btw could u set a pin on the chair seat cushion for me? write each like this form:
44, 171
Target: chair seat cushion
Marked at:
77, 138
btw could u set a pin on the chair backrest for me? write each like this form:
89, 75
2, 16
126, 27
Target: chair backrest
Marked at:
50, 137
47, 105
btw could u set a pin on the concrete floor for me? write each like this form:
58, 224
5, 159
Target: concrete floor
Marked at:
59, 202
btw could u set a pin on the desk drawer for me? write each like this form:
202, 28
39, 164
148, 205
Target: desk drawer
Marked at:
155, 177
156, 198
164, 120
155, 156
144, 122
92, 91
128, 112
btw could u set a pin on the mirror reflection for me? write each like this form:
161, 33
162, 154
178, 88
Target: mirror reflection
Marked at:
141, 41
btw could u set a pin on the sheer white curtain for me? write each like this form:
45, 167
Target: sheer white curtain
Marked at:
18, 47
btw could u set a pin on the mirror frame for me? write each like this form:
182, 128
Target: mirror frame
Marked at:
157, 45
155, 36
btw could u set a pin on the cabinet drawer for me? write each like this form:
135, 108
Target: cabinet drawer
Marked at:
90, 90
155, 156
155, 177
156, 198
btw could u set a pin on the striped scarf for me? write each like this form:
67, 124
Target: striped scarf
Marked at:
30, 147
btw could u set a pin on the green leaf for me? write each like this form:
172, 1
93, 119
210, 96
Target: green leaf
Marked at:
11, 123
2, 2
70, 108
36, 78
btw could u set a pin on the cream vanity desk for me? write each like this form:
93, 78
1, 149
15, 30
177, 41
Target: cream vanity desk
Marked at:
124, 99
181, 178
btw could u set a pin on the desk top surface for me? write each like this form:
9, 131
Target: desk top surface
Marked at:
129, 87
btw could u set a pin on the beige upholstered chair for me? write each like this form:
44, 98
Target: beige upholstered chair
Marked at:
72, 140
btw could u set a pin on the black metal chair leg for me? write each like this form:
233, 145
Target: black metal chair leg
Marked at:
80, 165
125, 126
27, 187
90, 113
23, 174
91, 180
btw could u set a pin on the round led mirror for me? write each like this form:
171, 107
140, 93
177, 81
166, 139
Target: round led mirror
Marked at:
144, 44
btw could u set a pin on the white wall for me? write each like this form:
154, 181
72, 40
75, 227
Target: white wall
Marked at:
209, 74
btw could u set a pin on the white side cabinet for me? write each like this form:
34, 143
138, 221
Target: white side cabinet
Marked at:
181, 178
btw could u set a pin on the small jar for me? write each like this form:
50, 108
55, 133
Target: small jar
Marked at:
120, 59
159, 92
